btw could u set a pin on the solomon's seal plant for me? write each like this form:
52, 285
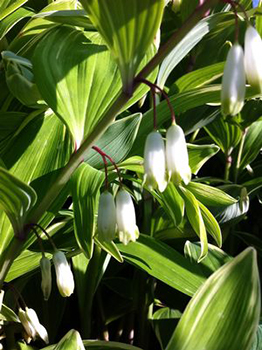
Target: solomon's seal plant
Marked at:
130, 159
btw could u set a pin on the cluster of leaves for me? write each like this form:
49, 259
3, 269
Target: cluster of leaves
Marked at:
67, 80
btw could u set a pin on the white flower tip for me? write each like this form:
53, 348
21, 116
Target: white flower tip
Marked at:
64, 275
177, 155
126, 218
155, 162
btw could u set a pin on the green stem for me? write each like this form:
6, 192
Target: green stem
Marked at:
239, 155
228, 164
92, 276
108, 118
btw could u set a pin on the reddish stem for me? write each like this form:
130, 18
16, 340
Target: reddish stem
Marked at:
104, 156
156, 87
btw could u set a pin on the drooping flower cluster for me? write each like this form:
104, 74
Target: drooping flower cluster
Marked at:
32, 325
162, 164
118, 217
241, 66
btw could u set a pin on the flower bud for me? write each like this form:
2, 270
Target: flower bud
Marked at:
32, 325
177, 155
64, 275
46, 283
253, 58
106, 220
126, 218
155, 162
233, 82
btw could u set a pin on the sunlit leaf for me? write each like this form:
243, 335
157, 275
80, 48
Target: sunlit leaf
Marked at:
164, 263
195, 218
215, 258
128, 28
85, 184
16, 199
224, 313
209, 195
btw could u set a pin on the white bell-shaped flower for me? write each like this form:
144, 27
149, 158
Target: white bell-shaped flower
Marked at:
155, 162
253, 58
177, 155
64, 275
233, 82
126, 218
46, 283
32, 325
106, 220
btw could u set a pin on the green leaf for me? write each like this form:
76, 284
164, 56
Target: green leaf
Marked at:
85, 184
39, 146
200, 77
199, 155
8, 314
35, 28
10, 21
71, 341
225, 134
172, 203
26, 262
195, 218
10, 9
187, 44
209, 195
211, 224
117, 140
163, 263
128, 28
78, 78
224, 313
257, 344
76, 18
252, 144
215, 258
110, 248
181, 103
164, 321
16, 199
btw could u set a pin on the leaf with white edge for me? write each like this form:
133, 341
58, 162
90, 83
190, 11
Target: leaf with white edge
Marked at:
164, 263
128, 28
172, 203
85, 185
215, 258
224, 134
209, 195
78, 78
110, 248
252, 144
200, 77
257, 344
224, 313
187, 44
71, 341
76, 18
16, 199
99, 345
12, 8
9, 22
199, 155
195, 218
211, 224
